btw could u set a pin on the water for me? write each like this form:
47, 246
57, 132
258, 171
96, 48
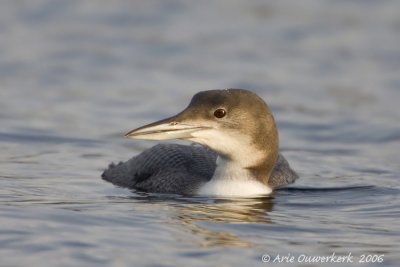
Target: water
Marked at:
76, 75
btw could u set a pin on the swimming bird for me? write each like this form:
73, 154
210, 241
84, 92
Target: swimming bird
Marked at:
238, 153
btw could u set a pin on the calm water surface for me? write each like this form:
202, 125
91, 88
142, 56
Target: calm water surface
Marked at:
76, 75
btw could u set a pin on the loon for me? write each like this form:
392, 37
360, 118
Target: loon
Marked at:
238, 154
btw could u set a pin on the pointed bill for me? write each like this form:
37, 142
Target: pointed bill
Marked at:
164, 130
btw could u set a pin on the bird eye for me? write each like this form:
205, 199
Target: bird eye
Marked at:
220, 113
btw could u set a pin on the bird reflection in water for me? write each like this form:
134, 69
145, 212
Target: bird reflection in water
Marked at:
200, 217
199, 220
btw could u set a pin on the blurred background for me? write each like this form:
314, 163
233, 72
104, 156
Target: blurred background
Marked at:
76, 75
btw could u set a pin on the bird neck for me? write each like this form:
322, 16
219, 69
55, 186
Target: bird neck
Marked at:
228, 169
231, 179
231, 169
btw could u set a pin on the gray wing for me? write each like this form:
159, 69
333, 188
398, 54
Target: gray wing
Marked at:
282, 174
179, 169
165, 168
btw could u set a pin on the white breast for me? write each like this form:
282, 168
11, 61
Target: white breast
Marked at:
230, 180
231, 188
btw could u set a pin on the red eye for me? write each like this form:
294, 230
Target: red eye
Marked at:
220, 113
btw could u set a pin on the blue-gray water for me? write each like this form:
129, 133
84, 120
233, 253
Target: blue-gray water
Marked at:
76, 75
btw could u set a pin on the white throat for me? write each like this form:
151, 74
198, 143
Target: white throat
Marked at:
231, 180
